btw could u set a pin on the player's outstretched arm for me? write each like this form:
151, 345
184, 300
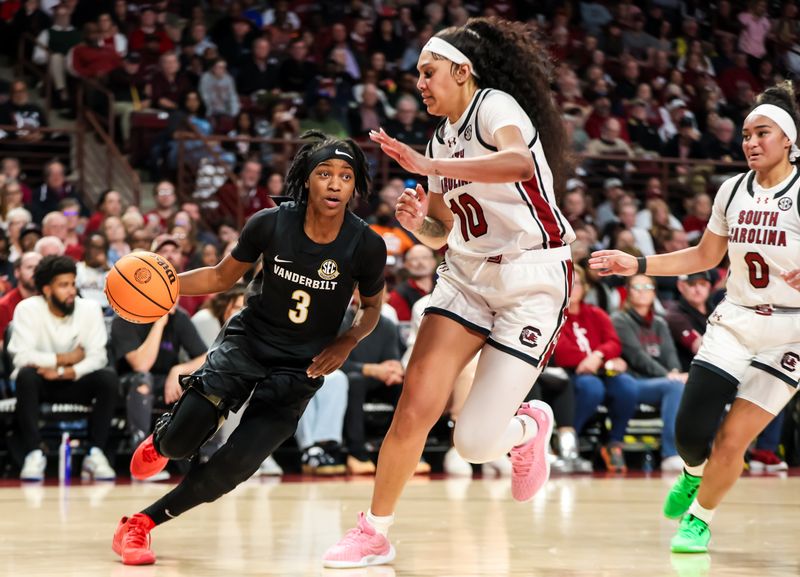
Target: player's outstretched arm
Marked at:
213, 279
335, 354
706, 255
511, 163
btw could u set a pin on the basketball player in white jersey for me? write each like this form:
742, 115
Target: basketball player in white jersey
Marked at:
504, 286
750, 354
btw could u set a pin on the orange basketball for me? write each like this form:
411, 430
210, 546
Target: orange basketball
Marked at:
142, 287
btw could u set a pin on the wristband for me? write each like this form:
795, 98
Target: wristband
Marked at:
641, 265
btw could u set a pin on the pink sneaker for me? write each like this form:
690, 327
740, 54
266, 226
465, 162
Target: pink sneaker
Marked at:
360, 547
530, 467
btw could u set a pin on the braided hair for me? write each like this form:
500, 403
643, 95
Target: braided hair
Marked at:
296, 177
507, 57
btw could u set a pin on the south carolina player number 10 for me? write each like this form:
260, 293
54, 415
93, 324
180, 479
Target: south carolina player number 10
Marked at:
470, 216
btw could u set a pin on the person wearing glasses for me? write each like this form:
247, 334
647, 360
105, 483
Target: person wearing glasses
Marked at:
652, 357
750, 356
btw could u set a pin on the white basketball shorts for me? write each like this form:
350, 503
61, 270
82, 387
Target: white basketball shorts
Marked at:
760, 352
517, 302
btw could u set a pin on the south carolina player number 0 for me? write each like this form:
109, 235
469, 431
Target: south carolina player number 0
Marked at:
299, 313
758, 270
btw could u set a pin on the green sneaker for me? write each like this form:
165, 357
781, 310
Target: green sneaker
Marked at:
692, 536
681, 495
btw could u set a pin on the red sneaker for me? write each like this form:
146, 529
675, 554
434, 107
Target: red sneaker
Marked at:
132, 540
146, 461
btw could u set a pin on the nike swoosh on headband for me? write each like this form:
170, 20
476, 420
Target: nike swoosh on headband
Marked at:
339, 152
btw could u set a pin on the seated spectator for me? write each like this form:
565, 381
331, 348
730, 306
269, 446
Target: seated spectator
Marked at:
657, 216
52, 46
721, 145
207, 255
58, 349
420, 265
149, 26
11, 198
54, 224
54, 189
259, 71
91, 59
373, 365
626, 216
644, 135
589, 349
247, 194
368, 114
110, 36
406, 126
16, 220
114, 231
648, 349
685, 145
296, 72
129, 86
91, 272
24, 267
235, 41
612, 193
169, 85
688, 316
29, 237
320, 118
132, 220
166, 206
395, 236
29, 118
13, 173
196, 41
109, 203
696, 221
610, 144
147, 358
216, 311
243, 131
49, 245
218, 91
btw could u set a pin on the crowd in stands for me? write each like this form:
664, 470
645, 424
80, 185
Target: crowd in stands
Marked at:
637, 82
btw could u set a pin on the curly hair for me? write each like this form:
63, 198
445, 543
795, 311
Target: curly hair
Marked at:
295, 182
50, 267
506, 56
782, 95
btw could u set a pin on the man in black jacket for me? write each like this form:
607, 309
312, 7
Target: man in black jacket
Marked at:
688, 315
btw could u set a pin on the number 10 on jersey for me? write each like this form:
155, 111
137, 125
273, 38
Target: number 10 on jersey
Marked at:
470, 216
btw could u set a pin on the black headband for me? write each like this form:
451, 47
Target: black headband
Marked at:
340, 151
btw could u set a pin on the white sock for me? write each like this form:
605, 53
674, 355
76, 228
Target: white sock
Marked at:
696, 471
380, 524
701, 512
529, 428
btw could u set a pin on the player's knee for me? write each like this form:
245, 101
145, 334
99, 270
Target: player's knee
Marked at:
693, 443
413, 419
472, 444
174, 446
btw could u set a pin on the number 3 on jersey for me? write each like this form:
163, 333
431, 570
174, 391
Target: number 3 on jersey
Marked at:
299, 313
470, 216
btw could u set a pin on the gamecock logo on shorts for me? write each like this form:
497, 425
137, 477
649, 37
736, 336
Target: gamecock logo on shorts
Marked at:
142, 275
529, 335
789, 361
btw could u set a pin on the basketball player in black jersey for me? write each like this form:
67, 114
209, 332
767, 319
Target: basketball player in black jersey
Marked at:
315, 252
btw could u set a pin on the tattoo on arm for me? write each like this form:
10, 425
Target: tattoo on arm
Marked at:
432, 228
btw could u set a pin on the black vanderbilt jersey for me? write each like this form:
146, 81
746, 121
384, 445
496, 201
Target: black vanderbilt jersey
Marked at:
306, 287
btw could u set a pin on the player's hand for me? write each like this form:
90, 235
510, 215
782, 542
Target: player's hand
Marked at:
404, 155
332, 357
610, 262
172, 387
792, 278
411, 209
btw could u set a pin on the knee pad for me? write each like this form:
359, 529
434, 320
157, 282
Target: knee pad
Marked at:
176, 442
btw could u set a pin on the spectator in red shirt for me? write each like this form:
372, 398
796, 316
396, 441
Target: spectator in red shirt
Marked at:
249, 192
166, 207
23, 272
420, 263
148, 26
169, 86
696, 221
109, 203
90, 59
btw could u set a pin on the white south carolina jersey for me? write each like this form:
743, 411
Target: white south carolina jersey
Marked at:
494, 219
763, 230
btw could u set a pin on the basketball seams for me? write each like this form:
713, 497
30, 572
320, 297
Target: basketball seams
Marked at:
117, 307
138, 290
160, 275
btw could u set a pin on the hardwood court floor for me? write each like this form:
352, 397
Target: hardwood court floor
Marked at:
590, 527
